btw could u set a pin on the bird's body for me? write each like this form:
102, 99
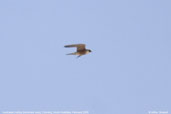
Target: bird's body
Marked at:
81, 50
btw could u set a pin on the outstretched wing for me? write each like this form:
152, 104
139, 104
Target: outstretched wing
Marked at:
78, 46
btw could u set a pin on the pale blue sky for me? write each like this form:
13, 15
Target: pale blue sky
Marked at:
128, 71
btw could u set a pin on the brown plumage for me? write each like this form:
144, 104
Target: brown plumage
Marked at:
81, 49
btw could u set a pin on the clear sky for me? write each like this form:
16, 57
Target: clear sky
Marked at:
128, 72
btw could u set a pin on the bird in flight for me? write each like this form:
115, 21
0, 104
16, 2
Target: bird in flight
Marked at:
81, 50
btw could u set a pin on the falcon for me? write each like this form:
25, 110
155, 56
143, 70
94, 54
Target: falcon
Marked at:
81, 49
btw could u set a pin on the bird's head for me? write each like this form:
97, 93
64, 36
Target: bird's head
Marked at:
89, 50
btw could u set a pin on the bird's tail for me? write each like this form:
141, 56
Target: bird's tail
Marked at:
71, 54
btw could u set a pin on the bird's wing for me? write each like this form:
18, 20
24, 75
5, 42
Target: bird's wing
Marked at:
78, 46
